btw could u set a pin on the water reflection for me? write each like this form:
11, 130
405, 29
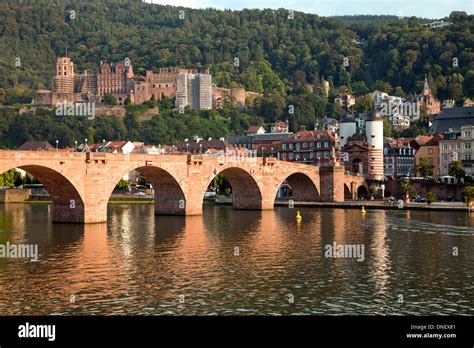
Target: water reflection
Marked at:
238, 262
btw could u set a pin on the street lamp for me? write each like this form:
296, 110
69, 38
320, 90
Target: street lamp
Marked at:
187, 148
200, 149
272, 150
263, 148
57, 144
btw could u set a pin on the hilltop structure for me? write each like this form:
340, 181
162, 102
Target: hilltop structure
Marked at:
191, 87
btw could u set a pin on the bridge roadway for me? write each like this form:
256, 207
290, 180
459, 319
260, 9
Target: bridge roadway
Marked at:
80, 184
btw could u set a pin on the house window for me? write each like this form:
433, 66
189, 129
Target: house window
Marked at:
430, 151
297, 146
445, 146
283, 146
305, 145
290, 156
311, 155
326, 144
291, 146
318, 145
311, 145
283, 156
467, 145
319, 154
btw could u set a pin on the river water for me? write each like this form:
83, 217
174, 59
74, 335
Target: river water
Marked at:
229, 262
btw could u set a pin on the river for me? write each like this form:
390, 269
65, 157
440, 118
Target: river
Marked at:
229, 262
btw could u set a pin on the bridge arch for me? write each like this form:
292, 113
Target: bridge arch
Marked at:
362, 192
168, 194
246, 193
347, 192
67, 202
303, 188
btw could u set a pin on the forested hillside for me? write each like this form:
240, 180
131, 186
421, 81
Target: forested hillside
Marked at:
265, 51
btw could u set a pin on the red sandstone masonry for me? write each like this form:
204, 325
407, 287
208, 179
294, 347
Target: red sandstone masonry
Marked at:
80, 184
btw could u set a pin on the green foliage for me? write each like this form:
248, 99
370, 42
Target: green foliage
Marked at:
222, 185
10, 178
122, 185
372, 190
455, 169
274, 54
430, 197
110, 99
424, 168
468, 194
387, 128
407, 188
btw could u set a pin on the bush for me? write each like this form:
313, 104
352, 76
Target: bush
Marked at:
430, 197
468, 194
123, 185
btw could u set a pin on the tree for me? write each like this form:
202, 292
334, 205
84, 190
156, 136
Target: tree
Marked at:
430, 197
424, 168
8, 178
455, 169
387, 128
122, 185
109, 99
407, 188
383, 86
372, 191
363, 104
468, 194
469, 84
359, 88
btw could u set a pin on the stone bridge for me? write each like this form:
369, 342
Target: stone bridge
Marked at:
81, 184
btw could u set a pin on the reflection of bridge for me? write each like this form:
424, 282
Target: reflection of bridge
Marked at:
80, 184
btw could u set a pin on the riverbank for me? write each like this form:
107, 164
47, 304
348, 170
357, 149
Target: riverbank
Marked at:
436, 206
375, 204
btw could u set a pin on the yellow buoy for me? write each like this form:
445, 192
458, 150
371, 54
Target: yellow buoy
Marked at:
363, 210
298, 216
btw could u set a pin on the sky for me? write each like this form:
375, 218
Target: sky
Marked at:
418, 8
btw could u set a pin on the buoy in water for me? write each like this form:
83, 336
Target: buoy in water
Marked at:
298, 216
363, 210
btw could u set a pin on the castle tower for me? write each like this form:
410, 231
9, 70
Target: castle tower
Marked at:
64, 80
347, 127
374, 134
325, 87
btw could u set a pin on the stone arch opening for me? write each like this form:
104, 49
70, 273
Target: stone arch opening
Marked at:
347, 193
244, 191
67, 203
168, 195
363, 192
300, 189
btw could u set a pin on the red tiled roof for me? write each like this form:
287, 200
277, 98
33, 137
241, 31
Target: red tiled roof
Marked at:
253, 129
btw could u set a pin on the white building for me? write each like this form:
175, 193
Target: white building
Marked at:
194, 90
